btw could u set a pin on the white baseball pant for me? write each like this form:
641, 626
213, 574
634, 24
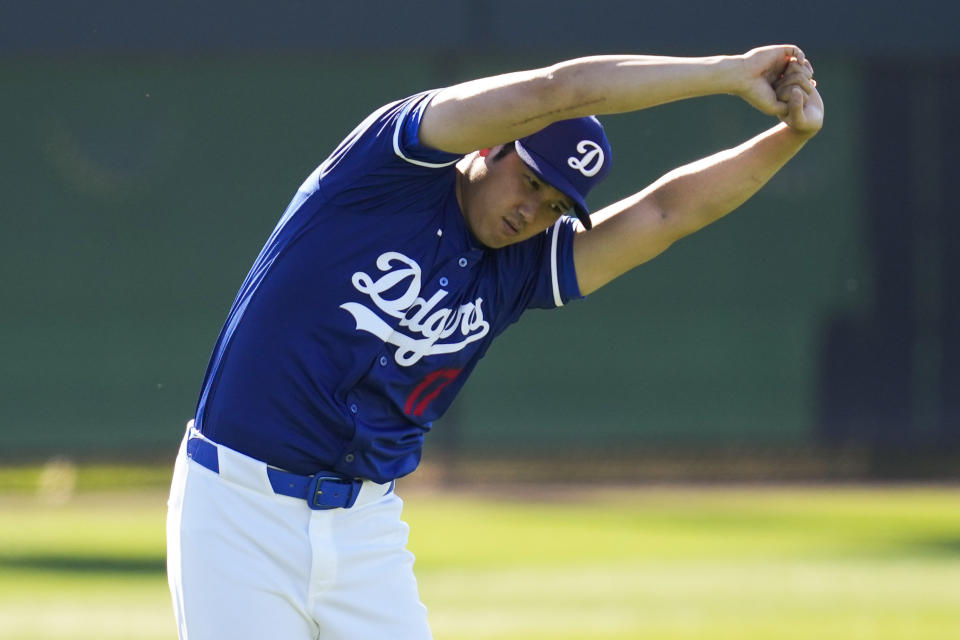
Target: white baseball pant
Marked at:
245, 563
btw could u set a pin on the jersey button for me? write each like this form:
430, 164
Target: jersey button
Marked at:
349, 457
444, 282
354, 408
462, 262
383, 361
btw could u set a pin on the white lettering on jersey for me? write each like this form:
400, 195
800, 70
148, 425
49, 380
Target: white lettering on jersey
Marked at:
591, 152
418, 316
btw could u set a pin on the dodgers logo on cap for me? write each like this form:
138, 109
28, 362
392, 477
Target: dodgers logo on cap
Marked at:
571, 155
592, 160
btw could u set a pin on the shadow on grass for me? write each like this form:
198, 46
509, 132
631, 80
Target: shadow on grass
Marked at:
156, 565
938, 546
84, 564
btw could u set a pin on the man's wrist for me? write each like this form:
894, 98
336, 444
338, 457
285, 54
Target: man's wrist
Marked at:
801, 136
730, 73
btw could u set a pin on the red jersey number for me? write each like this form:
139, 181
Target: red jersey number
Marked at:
428, 389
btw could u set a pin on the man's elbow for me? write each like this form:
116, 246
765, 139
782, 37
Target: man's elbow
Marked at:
674, 220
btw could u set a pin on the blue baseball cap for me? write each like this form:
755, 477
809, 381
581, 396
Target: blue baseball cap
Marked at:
573, 156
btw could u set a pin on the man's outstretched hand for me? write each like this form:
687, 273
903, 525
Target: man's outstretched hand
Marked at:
798, 90
778, 80
760, 71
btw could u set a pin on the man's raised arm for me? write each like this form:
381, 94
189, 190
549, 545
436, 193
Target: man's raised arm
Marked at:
636, 229
482, 113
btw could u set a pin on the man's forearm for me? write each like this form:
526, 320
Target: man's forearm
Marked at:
617, 84
697, 194
636, 229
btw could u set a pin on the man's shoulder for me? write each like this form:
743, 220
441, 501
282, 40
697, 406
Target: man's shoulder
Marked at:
388, 139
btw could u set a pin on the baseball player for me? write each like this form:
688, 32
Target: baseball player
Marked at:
429, 230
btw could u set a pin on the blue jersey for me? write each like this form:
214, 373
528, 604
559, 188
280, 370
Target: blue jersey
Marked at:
368, 308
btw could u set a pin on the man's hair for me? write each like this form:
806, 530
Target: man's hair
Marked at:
504, 151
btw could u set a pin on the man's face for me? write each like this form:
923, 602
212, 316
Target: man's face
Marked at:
504, 202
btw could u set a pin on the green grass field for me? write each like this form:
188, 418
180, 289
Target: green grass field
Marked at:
659, 563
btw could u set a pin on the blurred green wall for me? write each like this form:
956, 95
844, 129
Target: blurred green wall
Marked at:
138, 190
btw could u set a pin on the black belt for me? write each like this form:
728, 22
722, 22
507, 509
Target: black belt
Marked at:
321, 490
